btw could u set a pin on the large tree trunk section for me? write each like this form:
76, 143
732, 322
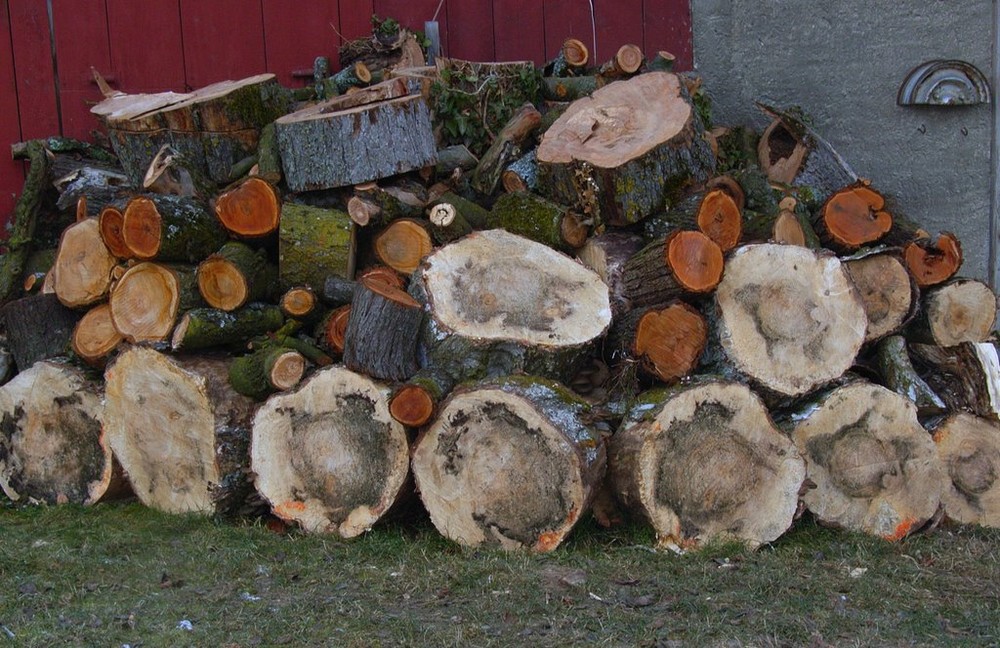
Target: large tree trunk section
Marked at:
180, 431
606, 254
875, 468
171, 173
95, 335
852, 217
145, 302
534, 217
933, 262
313, 244
888, 292
969, 448
52, 448
634, 143
403, 244
268, 369
898, 374
512, 463
702, 462
236, 275
667, 343
323, 150
789, 318
962, 310
505, 149
966, 376
383, 332
495, 289
170, 228
37, 327
682, 263
328, 455
251, 209
201, 328
83, 265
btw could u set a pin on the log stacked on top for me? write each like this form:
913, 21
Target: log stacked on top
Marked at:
747, 329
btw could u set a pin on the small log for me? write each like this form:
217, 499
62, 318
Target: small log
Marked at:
933, 262
382, 332
506, 148
662, 62
95, 336
702, 462
852, 217
572, 59
201, 328
457, 156
89, 188
415, 403
626, 62
961, 310
899, 375
403, 244
512, 463
384, 275
332, 330
964, 376
266, 370
24, 221
83, 265
716, 213
236, 275
180, 431
251, 209
299, 303
313, 244
328, 455
52, 446
473, 213
351, 76
606, 254
667, 343
37, 327
145, 302
531, 216
625, 162
876, 470
888, 293
337, 291
521, 175
568, 88
667, 269
171, 173
447, 223
789, 317
376, 207
110, 222
170, 228
969, 448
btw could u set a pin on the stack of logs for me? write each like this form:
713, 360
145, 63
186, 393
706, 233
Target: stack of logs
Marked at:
724, 351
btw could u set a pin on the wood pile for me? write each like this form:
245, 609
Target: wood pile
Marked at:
615, 304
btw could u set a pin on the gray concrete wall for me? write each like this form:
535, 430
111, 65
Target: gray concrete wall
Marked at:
843, 62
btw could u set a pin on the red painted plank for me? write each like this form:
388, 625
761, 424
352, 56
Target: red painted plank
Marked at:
11, 173
619, 22
356, 18
668, 27
81, 35
36, 88
567, 19
223, 39
470, 30
296, 32
146, 46
519, 29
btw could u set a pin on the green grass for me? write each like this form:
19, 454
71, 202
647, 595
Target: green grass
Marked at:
122, 574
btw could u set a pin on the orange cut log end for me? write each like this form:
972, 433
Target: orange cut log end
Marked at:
298, 302
575, 52
720, 219
141, 228
412, 406
384, 274
402, 245
933, 263
669, 342
855, 216
251, 209
695, 260
222, 285
336, 327
629, 58
110, 223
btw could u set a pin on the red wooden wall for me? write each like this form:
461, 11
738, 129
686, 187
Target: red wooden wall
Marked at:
47, 47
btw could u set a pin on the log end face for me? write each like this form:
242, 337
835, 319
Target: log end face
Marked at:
222, 285
969, 448
251, 209
141, 228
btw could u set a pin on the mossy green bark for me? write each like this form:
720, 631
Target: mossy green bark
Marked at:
313, 244
530, 216
260, 274
899, 375
567, 88
189, 229
477, 216
201, 328
250, 374
25, 220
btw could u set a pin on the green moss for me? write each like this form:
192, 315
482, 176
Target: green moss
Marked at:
530, 216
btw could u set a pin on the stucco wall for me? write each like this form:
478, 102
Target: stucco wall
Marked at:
843, 62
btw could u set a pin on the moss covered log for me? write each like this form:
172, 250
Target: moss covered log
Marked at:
201, 328
170, 228
313, 244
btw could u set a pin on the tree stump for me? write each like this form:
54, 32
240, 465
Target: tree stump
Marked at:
969, 448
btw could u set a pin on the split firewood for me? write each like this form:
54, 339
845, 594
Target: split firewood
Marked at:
236, 275
37, 327
625, 149
969, 448
960, 310
170, 228
666, 343
898, 374
171, 173
789, 317
332, 329
965, 376
95, 336
382, 332
684, 262
853, 216
52, 446
201, 328
403, 244
512, 463
328, 455
266, 370
508, 146
251, 209
83, 265
628, 60
876, 470
146, 300
703, 461
531, 216
313, 244
180, 431
888, 292
521, 175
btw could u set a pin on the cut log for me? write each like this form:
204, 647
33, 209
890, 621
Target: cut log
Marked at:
328, 455
83, 265
457, 156
171, 173
667, 269
95, 336
852, 217
522, 174
626, 62
572, 58
966, 376
382, 332
969, 448
447, 223
322, 150
888, 292
475, 214
313, 244
875, 468
404, 244
497, 292
662, 62
332, 329
235, 276
251, 209
568, 88
531, 216
180, 431
667, 343
415, 403
170, 228
513, 463
962, 310
626, 149
145, 302
384, 275
201, 328
337, 291
266, 370
899, 375
24, 221
933, 262
268, 157
606, 254
299, 303
508, 146
351, 76
37, 327
702, 462
110, 221
789, 318
716, 213
52, 447
376, 207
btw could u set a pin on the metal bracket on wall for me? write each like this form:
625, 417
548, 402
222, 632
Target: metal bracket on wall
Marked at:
944, 83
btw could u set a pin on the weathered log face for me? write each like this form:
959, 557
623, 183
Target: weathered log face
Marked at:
969, 448
887, 291
704, 461
83, 265
329, 456
875, 468
52, 448
790, 319
960, 311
